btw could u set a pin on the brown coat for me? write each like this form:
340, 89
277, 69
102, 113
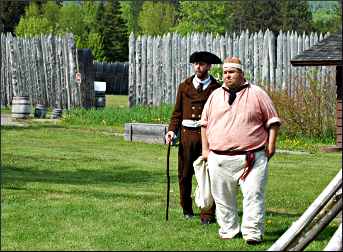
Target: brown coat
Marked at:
189, 103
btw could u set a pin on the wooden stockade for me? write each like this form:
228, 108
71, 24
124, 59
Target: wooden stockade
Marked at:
44, 69
116, 76
157, 64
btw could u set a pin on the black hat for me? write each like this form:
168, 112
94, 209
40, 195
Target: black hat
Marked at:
204, 56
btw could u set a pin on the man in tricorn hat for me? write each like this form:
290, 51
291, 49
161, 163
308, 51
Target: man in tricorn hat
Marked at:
191, 97
239, 126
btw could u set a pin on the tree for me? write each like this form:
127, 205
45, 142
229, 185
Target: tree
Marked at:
115, 36
274, 15
11, 11
32, 23
203, 16
51, 18
130, 13
156, 18
296, 16
327, 20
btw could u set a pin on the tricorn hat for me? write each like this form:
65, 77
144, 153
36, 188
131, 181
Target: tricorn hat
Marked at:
204, 56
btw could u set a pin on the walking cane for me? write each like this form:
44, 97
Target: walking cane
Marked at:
168, 180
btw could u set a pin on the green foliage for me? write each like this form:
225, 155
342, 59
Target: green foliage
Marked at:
74, 18
203, 16
312, 111
11, 11
32, 23
296, 16
272, 14
71, 20
118, 116
217, 73
115, 37
327, 20
130, 13
156, 18
33, 26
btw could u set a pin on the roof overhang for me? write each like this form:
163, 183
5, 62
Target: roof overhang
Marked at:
327, 52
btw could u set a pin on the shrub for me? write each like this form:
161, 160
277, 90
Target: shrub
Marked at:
308, 112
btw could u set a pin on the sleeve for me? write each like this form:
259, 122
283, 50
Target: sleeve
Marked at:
270, 115
176, 117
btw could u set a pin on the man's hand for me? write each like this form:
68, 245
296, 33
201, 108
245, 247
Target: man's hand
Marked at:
169, 136
270, 151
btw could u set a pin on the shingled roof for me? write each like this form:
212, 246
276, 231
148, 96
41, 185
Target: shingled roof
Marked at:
328, 51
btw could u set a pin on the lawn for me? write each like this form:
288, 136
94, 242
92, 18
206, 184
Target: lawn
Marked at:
79, 188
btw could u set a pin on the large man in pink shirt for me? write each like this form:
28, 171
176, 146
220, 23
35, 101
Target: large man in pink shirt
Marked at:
239, 130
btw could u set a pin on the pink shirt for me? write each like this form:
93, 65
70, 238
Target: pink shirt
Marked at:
241, 126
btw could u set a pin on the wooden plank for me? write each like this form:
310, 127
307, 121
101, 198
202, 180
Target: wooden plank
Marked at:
144, 132
132, 73
284, 241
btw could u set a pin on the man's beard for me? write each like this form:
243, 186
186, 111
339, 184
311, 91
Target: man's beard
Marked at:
201, 75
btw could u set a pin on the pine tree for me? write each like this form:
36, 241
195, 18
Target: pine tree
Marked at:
115, 36
274, 15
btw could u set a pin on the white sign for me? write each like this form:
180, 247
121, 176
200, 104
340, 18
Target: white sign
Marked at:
100, 86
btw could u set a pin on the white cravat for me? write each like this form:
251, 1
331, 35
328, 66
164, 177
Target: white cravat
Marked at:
205, 83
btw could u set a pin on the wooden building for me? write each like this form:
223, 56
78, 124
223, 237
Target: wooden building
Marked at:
327, 52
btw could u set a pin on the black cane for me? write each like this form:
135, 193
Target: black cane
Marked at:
168, 180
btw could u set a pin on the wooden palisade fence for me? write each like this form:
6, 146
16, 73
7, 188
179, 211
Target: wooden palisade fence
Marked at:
157, 64
44, 68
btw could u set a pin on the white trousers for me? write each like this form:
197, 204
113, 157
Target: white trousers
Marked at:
224, 174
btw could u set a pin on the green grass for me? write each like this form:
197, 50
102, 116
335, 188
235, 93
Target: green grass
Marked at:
82, 188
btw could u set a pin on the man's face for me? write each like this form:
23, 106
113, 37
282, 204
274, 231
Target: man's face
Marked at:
201, 69
232, 77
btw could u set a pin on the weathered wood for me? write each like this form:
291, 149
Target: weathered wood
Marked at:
145, 132
168, 60
285, 240
42, 67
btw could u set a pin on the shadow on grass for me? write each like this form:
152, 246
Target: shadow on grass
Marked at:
13, 177
31, 126
324, 235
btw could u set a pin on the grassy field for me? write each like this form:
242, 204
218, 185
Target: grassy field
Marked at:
80, 188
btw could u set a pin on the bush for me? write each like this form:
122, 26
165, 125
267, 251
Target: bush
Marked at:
309, 112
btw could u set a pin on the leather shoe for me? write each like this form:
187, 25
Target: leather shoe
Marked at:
253, 241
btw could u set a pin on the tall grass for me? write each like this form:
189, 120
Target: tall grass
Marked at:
310, 112
118, 116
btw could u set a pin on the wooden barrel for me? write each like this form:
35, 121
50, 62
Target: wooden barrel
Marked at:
100, 99
56, 113
40, 111
21, 107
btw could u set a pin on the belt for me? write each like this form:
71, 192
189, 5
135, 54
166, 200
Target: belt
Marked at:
249, 159
191, 128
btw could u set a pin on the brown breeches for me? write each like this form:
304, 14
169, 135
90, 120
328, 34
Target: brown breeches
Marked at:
189, 151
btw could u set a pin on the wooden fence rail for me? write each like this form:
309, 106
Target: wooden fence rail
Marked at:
44, 69
157, 64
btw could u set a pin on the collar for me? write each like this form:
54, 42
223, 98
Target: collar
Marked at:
196, 81
230, 90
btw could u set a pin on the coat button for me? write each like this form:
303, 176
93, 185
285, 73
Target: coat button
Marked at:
199, 116
193, 115
193, 107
